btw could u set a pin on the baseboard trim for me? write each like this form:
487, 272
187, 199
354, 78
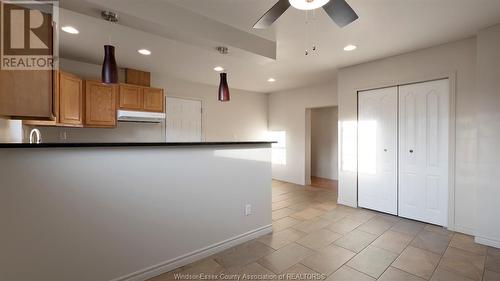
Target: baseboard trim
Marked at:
487, 241
463, 229
345, 203
191, 257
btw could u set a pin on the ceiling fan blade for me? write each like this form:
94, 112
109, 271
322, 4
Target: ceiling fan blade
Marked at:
272, 15
340, 12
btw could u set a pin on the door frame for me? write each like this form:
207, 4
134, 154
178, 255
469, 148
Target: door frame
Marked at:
452, 79
185, 98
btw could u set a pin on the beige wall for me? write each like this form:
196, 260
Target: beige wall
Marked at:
243, 118
287, 112
456, 59
488, 148
324, 141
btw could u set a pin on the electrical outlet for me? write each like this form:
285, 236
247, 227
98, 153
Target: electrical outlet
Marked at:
248, 209
63, 135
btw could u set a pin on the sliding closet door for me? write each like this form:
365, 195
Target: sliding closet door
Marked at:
377, 150
423, 153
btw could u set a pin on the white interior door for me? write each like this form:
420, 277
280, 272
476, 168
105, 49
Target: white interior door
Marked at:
423, 153
183, 121
377, 150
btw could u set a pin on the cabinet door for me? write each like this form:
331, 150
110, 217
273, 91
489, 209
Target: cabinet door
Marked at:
377, 150
423, 151
26, 93
131, 97
70, 99
100, 104
153, 99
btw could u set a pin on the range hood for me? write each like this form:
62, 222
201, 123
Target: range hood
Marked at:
140, 116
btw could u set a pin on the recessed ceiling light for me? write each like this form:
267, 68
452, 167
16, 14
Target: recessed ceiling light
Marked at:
350, 48
70, 29
144, 52
271, 80
219, 68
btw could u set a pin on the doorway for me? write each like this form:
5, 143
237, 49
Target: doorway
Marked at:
322, 150
183, 121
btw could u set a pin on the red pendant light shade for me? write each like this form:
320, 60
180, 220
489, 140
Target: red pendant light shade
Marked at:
109, 67
223, 88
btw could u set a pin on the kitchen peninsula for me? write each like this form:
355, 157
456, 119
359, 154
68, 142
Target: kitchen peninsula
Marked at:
128, 205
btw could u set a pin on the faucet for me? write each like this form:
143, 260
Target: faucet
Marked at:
35, 136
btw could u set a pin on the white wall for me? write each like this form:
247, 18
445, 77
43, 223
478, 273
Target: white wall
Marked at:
287, 112
243, 118
458, 58
324, 140
105, 214
488, 148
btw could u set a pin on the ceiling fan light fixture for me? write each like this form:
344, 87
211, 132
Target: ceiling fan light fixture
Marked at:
308, 4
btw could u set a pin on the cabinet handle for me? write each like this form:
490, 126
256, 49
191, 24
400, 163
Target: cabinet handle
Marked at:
411, 150
385, 149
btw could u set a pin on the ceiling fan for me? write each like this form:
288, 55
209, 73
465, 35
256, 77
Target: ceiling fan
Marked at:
340, 12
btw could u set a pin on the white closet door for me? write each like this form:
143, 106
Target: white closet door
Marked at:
423, 153
183, 121
377, 150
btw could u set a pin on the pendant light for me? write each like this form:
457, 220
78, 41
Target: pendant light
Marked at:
223, 88
109, 74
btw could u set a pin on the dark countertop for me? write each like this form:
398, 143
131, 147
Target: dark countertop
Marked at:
131, 144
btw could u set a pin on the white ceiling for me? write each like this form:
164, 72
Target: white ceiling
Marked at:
183, 47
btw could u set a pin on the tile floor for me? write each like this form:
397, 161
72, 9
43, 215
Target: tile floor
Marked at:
318, 239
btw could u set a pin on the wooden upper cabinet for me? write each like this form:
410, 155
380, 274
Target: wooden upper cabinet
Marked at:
131, 97
100, 104
70, 99
153, 100
26, 93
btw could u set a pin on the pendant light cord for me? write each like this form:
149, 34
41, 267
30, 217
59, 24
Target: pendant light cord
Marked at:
307, 34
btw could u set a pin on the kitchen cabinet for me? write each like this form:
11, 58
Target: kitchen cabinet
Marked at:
68, 102
70, 99
26, 94
131, 97
137, 77
100, 104
153, 100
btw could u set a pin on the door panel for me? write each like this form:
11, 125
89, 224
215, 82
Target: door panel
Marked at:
183, 122
70, 99
423, 155
131, 97
377, 150
153, 99
100, 107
